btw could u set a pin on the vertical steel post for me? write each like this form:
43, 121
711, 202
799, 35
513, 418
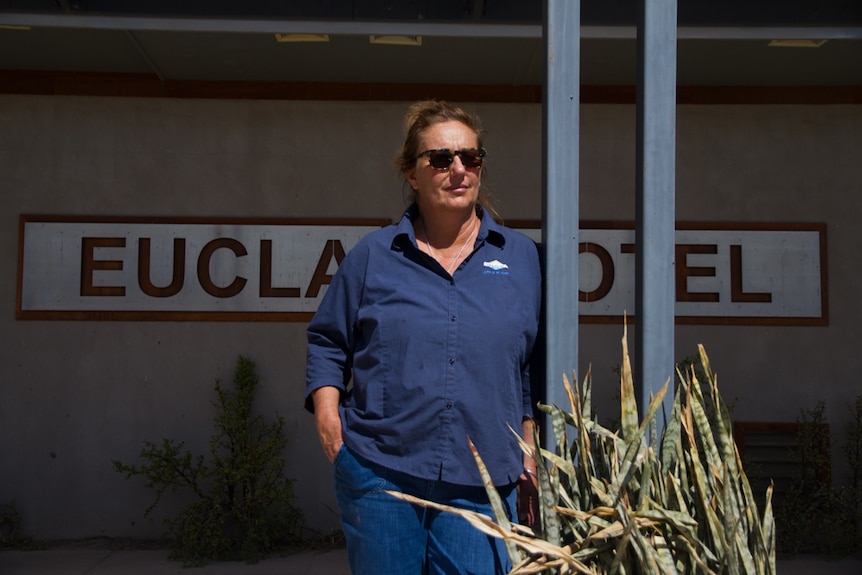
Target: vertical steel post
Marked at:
656, 219
562, 31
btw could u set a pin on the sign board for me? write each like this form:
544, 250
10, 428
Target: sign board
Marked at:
767, 274
180, 269
277, 270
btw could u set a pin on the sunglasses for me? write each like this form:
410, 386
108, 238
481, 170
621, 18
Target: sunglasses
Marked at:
441, 159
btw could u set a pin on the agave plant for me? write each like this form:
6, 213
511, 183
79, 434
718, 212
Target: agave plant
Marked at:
622, 502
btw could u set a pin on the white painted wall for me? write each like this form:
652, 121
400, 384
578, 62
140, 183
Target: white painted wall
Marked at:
74, 395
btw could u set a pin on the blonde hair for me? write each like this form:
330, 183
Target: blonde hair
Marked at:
422, 115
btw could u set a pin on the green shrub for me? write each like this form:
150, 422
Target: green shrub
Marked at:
12, 535
813, 516
244, 504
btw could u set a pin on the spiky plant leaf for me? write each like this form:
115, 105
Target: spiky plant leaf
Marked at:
628, 401
496, 503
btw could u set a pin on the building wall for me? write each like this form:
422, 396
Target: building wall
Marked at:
75, 395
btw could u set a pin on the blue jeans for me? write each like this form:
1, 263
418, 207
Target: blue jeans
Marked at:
388, 536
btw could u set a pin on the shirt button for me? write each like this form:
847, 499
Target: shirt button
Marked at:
451, 360
448, 405
454, 318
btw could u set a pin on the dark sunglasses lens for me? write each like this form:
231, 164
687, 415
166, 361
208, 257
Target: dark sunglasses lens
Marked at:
440, 159
471, 158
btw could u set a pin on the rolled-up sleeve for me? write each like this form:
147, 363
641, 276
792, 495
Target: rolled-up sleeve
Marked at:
329, 359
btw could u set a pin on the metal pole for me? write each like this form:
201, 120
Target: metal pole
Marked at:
656, 220
560, 233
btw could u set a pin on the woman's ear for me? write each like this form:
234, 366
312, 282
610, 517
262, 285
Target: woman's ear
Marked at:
410, 176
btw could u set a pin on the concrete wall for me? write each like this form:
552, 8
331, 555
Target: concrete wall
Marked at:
74, 395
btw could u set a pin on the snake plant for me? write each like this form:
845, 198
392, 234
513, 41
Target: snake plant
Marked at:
628, 502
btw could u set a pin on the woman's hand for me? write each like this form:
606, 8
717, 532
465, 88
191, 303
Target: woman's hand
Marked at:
328, 420
528, 499
528, 489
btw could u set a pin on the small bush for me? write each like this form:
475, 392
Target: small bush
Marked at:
813, 516
12, 535
244, 507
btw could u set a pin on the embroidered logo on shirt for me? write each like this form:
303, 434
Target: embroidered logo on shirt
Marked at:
496, 267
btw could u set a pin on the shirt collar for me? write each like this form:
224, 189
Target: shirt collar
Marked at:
489, 230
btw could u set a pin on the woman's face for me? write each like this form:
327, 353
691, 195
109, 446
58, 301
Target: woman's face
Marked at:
454, 188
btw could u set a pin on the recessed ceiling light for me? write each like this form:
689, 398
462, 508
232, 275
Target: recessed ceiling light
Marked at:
798, 43
302, 37
396, 40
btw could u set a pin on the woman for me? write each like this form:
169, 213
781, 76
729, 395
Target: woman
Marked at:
434, 319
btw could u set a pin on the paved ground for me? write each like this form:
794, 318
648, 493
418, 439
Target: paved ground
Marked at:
76, 561
804, 565
155, 562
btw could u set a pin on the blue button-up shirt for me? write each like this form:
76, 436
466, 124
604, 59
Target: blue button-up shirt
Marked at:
434, 358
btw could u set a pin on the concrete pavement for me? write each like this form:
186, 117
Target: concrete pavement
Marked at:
77, 561
155, 562
809, 565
